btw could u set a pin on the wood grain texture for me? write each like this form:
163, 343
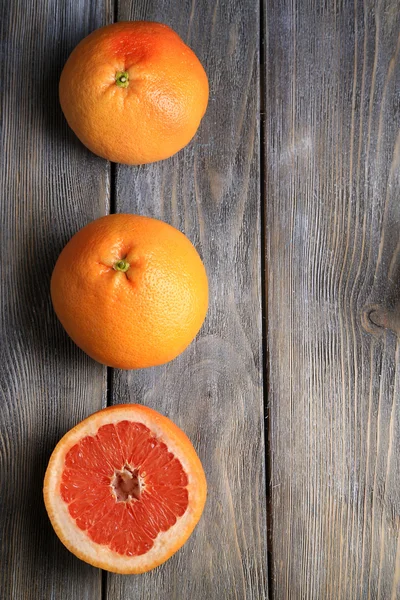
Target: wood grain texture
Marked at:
50, 186
333, 255
213, 391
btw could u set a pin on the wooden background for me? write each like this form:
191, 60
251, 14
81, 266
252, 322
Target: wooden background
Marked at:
291, 193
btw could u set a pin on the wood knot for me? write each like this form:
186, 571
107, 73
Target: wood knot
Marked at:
377, 319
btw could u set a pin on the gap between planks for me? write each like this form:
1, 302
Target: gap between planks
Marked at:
264, 295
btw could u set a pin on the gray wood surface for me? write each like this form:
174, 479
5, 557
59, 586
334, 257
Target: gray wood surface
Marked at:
50, 186
213, 391
332, 164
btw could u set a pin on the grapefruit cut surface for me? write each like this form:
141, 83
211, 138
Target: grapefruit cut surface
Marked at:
124, 489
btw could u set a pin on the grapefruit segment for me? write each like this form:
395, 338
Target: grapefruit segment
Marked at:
124, 489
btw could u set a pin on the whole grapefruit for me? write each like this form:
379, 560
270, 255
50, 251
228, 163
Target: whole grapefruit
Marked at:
131, 291
134, 92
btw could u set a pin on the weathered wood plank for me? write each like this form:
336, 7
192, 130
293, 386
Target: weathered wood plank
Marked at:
214, 390
333, 223
51, 186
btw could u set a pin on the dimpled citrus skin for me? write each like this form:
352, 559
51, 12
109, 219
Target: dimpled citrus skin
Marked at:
159, 110
143, 317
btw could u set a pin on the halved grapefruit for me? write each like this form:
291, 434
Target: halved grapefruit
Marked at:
124, 489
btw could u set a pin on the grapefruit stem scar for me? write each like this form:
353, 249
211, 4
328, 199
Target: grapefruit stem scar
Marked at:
122, 79
121, 265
